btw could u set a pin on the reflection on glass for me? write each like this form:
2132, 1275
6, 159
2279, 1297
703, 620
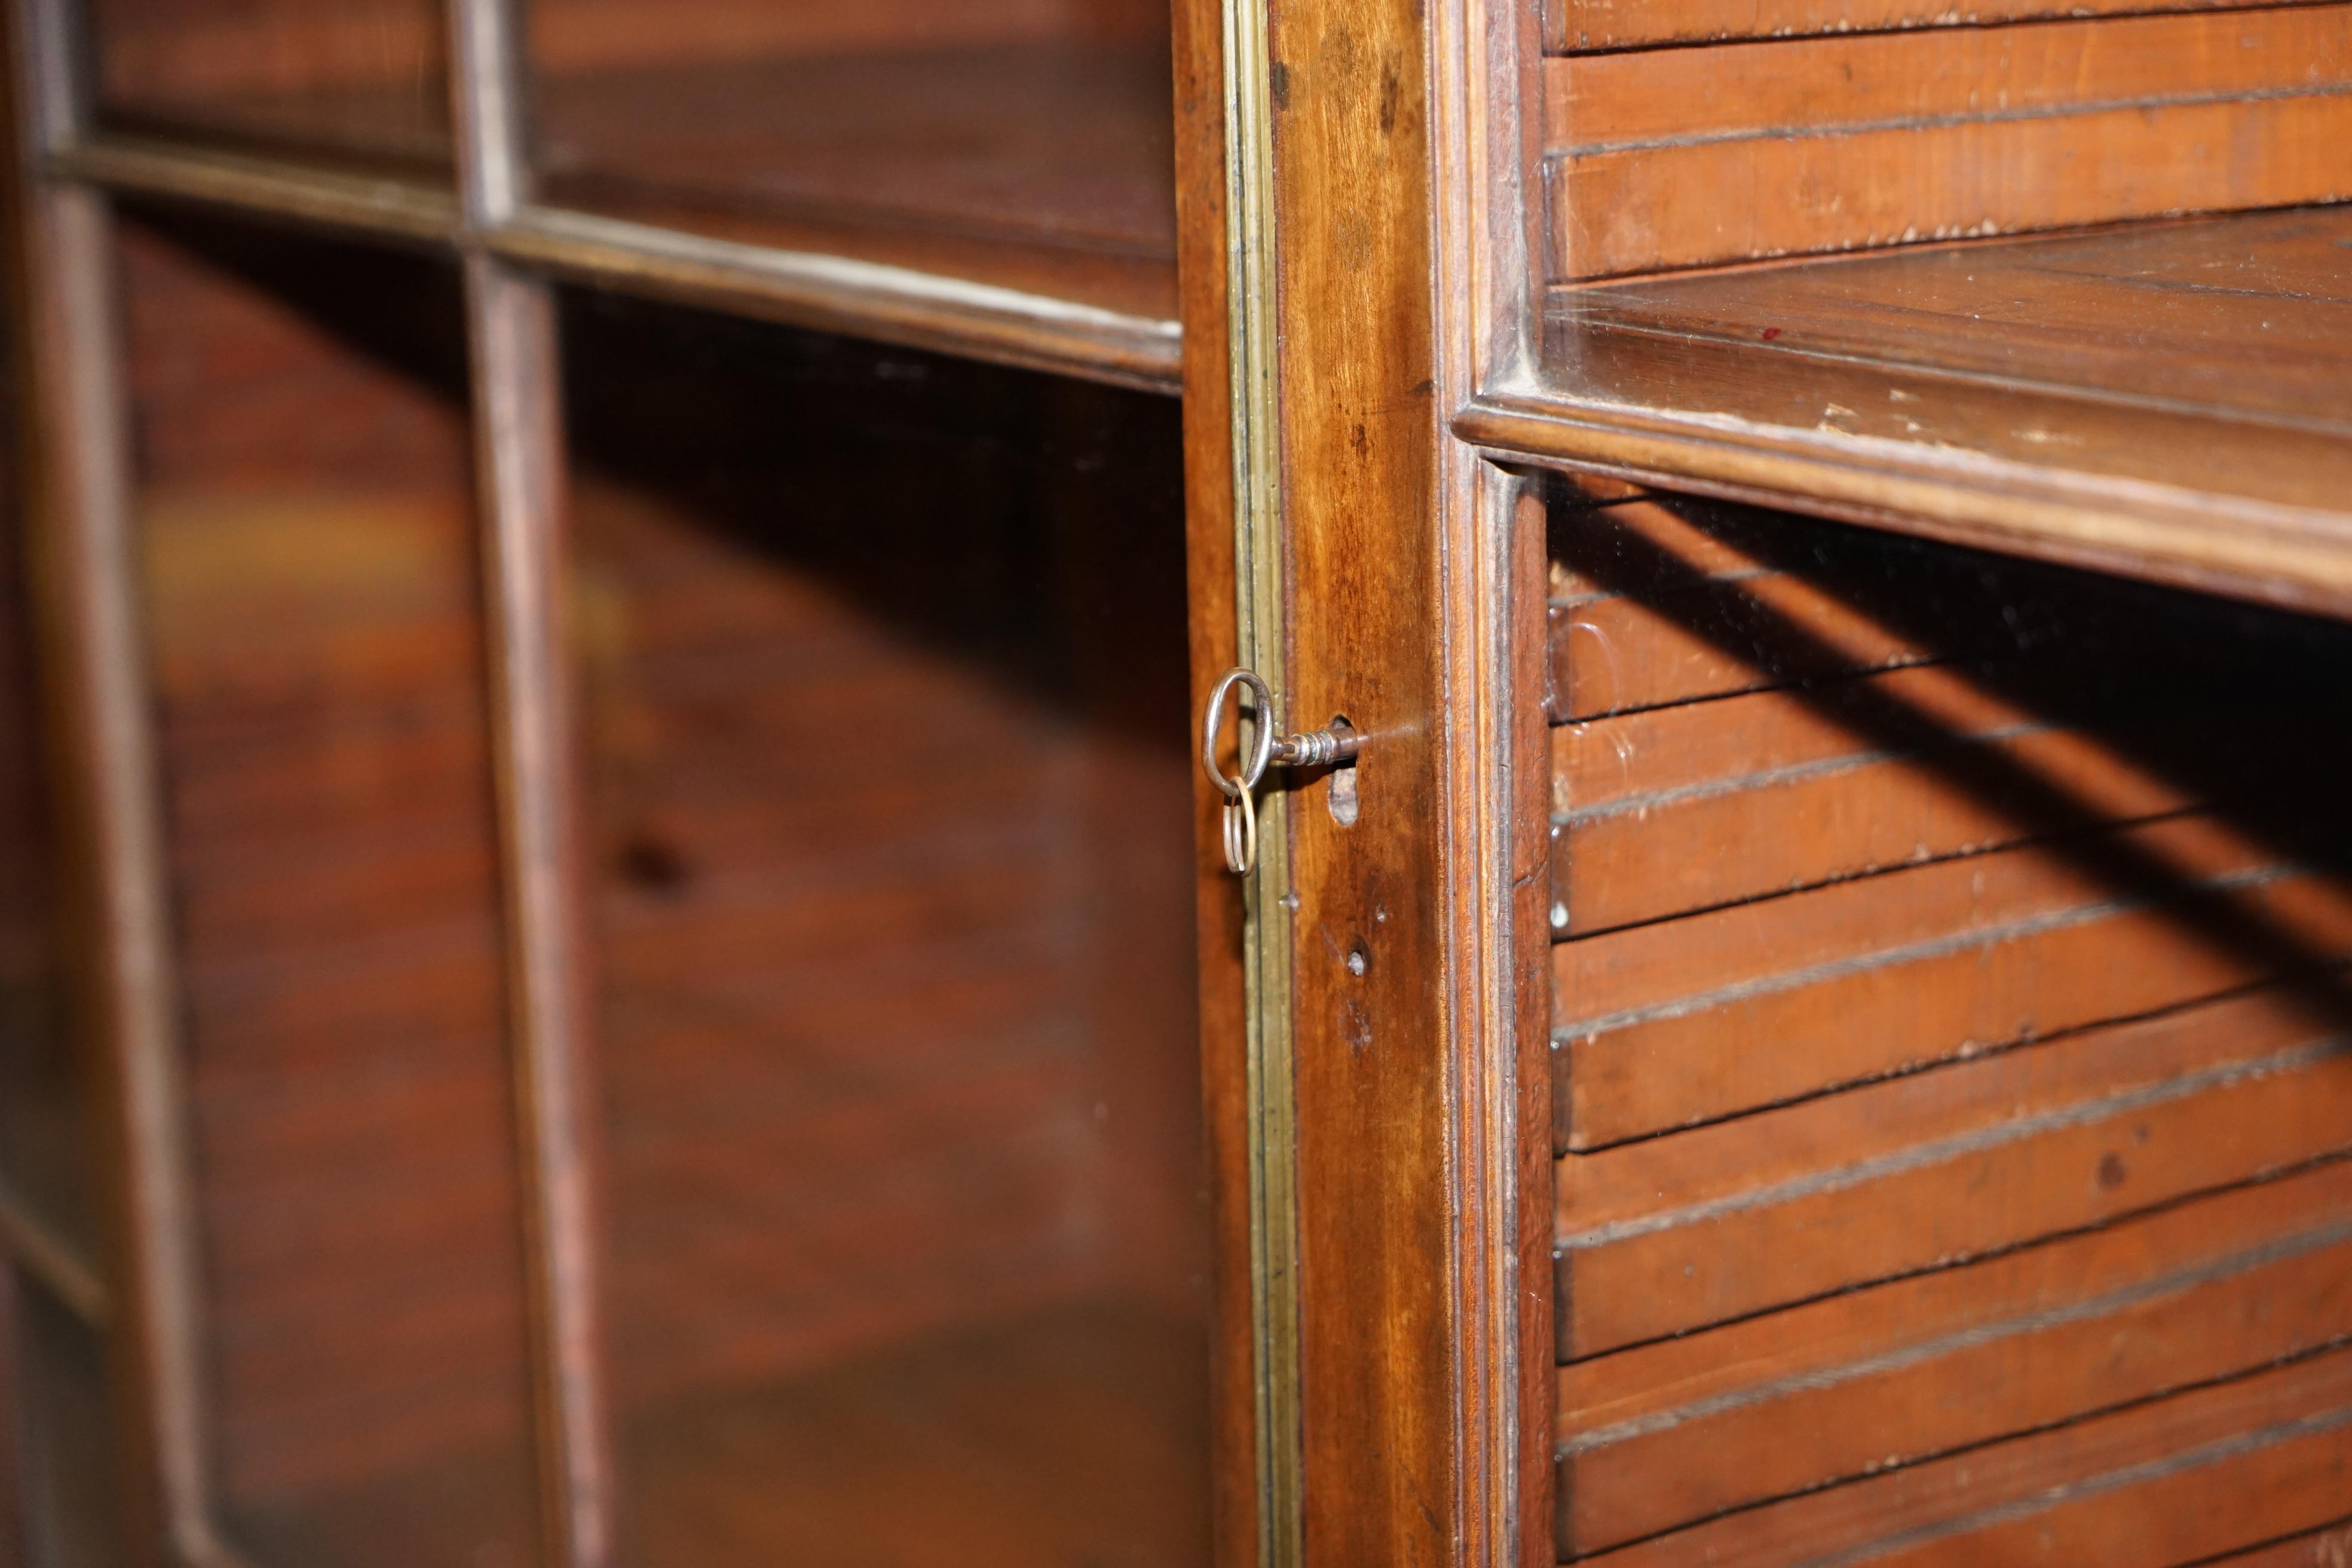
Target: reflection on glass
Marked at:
343, 78
884, 666
1026, 142
314, 629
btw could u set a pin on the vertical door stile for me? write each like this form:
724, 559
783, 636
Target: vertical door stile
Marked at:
1491, 523
512, 344
81, 550
1398, 566
1507, 1068
1260, 643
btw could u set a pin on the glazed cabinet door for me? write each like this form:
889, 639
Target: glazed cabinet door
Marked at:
666, 933
886, 864
606, 602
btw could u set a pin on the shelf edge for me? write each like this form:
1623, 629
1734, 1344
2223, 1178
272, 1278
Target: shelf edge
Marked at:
844, 294
2288, 556
272, 187
833, 293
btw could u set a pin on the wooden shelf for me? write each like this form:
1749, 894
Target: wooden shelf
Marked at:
416, 210
2171, 401
1015, 204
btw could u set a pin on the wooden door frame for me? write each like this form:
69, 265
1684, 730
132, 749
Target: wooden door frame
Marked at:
1373, 999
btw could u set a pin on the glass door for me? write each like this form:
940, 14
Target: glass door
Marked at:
880, 670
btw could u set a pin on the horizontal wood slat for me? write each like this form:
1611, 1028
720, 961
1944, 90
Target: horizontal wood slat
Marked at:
1658, 601
1682, 1022
1676, 158
1622, 214
1664, 98
1580, 25
1856, 1384
1672, 1233
2152, 1485
1680, 809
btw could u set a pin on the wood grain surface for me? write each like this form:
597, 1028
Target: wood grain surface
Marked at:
1851, 1385
1212, 629
1592, 24
1674, 809
1660, 600
2324, 1548
1667, 1235
1396, 1291
1949, 1031
1684, 157
1783, 88
1993, 395
2154, 1484
2250, 316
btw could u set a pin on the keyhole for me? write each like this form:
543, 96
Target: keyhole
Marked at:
1340, 784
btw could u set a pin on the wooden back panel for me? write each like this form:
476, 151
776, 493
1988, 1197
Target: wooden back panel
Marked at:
1949, 1051
1842, 128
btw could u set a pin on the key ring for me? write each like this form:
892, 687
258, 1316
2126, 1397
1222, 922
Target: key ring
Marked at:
1336, 746
1261, 744
1241, 834
1240, 806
